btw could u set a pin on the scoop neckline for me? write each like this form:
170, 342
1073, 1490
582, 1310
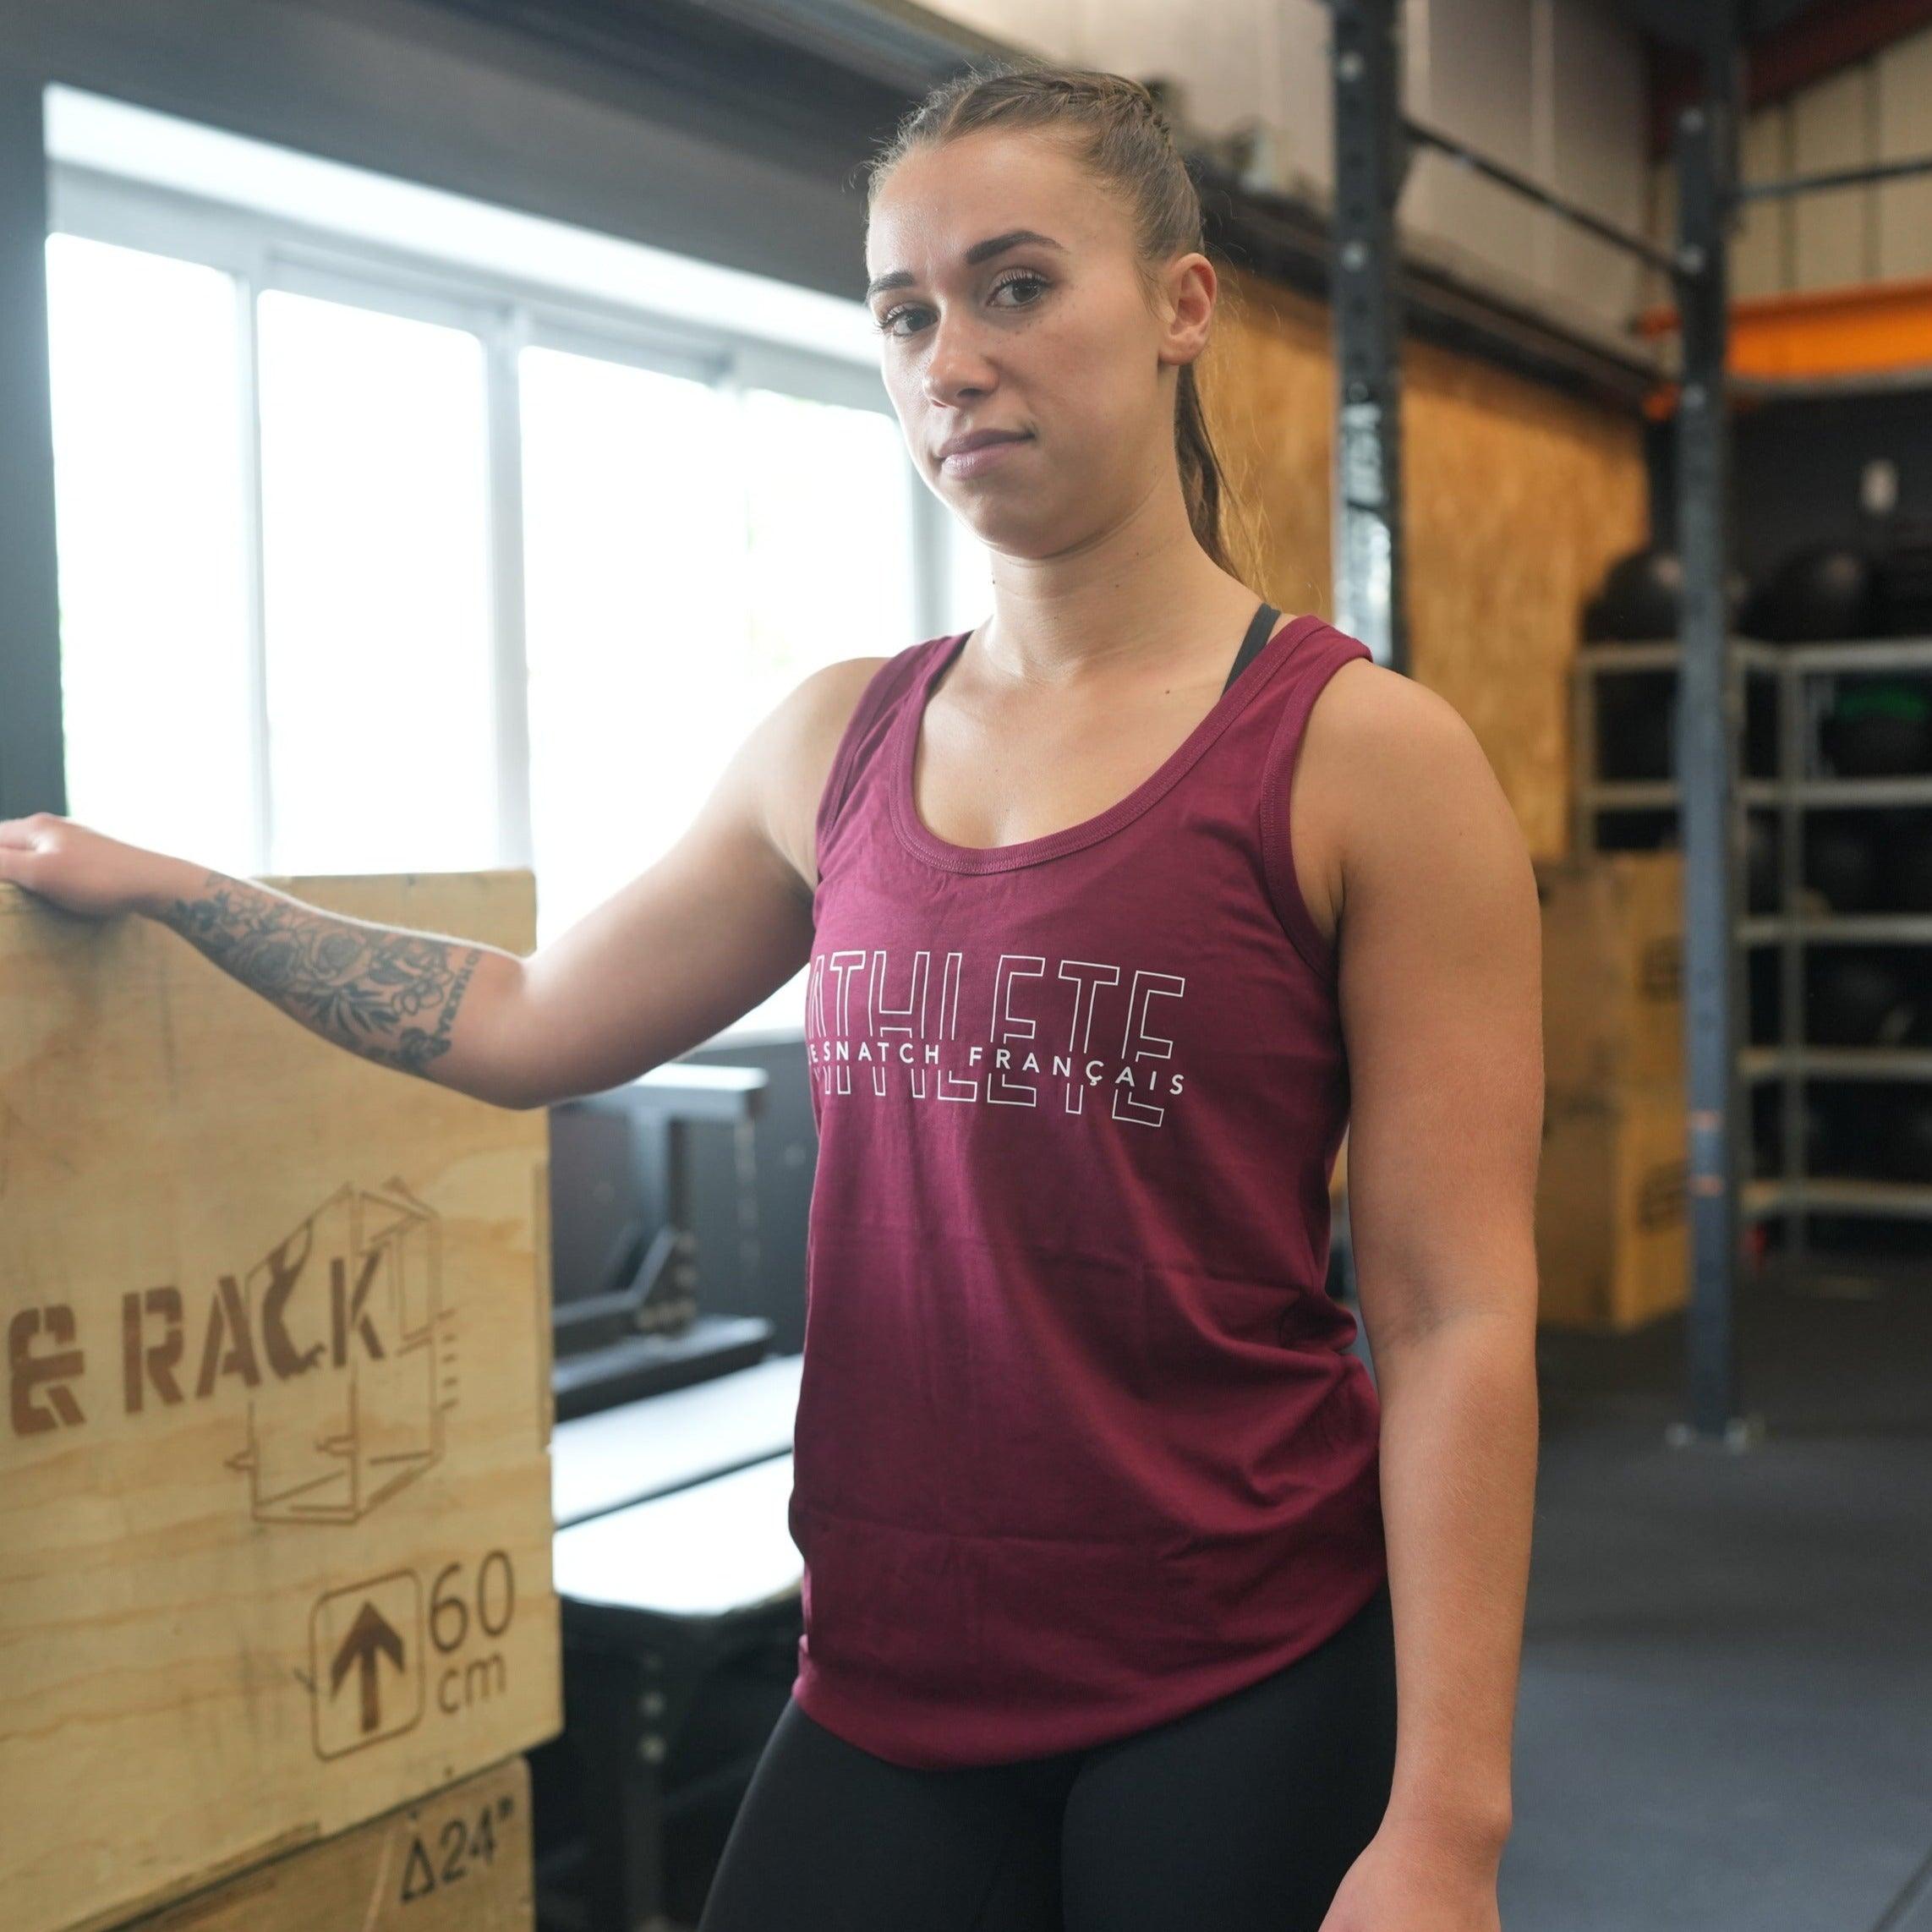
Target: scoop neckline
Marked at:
919, 839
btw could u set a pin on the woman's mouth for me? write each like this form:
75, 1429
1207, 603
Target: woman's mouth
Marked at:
971, 462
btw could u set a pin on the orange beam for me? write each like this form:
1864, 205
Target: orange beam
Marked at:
1875, 327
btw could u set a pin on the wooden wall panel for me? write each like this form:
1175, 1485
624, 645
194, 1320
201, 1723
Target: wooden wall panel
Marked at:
1517, 498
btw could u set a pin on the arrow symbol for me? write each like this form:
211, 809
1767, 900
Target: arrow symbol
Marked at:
370, 1637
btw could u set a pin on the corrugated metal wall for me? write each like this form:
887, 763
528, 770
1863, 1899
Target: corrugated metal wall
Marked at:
1552, 87
1879, 109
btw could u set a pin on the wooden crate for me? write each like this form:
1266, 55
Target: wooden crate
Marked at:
1612, 1221
275, 1527
458, 1861
1612, 972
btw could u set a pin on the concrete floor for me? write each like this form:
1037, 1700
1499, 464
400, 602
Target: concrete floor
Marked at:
1726, 1715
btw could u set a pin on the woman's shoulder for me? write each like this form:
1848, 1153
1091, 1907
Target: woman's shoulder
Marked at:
817, 717
1384, 760
1385, 713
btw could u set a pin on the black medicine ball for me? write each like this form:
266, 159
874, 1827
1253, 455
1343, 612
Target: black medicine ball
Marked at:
1817, 595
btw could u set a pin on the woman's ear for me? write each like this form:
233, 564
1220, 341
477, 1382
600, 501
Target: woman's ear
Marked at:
1188, 288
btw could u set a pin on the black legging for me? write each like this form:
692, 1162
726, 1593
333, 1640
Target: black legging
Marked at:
1242, 1815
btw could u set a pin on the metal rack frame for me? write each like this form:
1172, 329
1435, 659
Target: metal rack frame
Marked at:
1791, 1060
1372, 147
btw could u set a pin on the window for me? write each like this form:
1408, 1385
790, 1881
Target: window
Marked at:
692, 553
149, 505
378, 553
375, 580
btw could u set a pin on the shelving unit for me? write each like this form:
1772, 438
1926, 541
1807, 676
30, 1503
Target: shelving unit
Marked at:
1801, 689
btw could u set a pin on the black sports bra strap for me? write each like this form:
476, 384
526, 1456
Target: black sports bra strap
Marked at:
1258, 634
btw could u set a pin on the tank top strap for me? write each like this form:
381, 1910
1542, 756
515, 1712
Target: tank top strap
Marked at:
1258, 633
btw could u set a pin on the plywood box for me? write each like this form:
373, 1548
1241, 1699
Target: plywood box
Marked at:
1612, 1225
275, 1529
458, 1861
1612, 972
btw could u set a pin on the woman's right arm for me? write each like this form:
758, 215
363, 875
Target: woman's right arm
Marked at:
696, 940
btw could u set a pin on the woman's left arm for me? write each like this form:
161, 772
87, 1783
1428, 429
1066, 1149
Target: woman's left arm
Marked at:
1440, 962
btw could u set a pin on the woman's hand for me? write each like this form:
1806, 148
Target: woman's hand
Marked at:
76, 868
1410, 1879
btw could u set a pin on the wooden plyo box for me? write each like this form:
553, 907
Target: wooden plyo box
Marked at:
1612, 1220
458, 1861
275, 1524
1612, 972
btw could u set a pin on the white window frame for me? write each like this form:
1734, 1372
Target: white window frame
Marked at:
262, 250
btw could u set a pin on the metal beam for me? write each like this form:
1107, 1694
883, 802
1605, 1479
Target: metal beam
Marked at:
1284, 238
1481, 164
1837, 178
1709, 730
1365, 58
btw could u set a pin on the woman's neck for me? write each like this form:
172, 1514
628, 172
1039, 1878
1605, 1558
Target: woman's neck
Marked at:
1138, 594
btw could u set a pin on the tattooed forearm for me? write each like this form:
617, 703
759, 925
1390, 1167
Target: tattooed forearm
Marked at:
390, 996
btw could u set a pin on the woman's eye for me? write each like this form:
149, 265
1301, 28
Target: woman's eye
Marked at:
1018, 280
887, 321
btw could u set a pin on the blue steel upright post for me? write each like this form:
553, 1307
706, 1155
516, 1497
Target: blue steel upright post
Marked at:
1371, 153
1708, 736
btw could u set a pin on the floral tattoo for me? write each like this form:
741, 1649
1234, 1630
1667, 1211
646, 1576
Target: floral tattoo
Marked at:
389, 996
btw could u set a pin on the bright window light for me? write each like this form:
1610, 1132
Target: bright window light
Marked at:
376, 573
154, 676
635, 633
399, 532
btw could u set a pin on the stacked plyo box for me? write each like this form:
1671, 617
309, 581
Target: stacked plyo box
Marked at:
275, 1524
457, 1861
1612, 1226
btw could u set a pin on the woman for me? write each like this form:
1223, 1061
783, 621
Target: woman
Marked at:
1130, 1601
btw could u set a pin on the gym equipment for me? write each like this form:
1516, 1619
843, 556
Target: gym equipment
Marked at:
670, 1479
227, 1600
1640, 597
1760, 728
1909, 1135
1763, 971
1641, 744
1854, 999
1906, 845
1636, 714
1637, 726
1919, 1033
650, 1447
1370, 131
1878, 727
1767, 1139
1638, 600
641, 1332
1761, 863
1851, 1124
1820, 594
1908, 1144
1840, 865
1904, 585
681, 1617
679, 1588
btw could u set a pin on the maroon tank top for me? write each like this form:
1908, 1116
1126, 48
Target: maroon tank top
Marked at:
1079, 1443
